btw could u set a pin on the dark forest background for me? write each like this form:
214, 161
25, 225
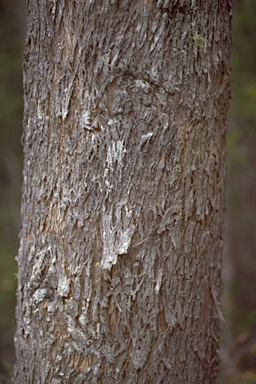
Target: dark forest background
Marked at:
238, 348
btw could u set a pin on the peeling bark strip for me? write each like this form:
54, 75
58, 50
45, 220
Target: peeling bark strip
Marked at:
122, 211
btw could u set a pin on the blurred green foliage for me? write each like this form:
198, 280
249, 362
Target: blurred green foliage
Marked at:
241, 141
240, 343
11, 106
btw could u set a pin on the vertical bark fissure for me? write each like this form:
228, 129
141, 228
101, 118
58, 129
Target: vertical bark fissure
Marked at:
122, 214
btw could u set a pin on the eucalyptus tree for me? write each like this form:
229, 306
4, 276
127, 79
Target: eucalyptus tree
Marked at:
122, 209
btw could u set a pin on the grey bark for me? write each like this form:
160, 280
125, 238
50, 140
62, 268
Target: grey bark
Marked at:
122, 211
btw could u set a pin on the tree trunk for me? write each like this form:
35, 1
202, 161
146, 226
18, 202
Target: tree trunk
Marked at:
122, 211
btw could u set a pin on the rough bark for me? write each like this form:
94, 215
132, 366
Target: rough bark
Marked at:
122, 212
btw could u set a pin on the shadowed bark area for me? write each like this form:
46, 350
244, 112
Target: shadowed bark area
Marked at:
124, 143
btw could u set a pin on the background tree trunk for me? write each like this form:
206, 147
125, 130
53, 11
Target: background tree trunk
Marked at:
122, 213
